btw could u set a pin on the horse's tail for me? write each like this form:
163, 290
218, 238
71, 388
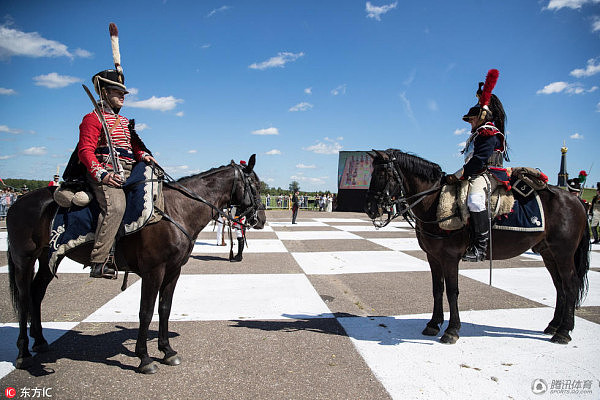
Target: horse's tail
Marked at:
582, 265
14, 290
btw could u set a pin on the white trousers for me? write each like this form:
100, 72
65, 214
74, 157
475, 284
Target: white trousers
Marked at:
478, 187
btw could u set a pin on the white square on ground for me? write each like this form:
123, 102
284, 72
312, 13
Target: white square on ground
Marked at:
356, 262
66, 266
8, 341
369, 228
532, 283
498, 356
398, 244
315, 235
254, 246
225, 297
279, 224
3, 241
329, 220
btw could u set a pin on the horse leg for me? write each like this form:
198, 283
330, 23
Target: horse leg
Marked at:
150, 284
437, 319
570, 283
38, 290
22, 275
451, 277
560, 296
164, 311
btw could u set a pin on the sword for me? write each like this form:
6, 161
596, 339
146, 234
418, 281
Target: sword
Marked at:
111, 150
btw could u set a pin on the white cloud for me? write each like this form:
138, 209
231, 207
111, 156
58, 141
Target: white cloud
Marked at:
192, 151
304, 106
315, 180
35, 151
156, 103
179, 114
375, 12
32, 44
305, 166
576, 136
462, 145
267, 131
133, 91
55, 81
598, 107
217, 10
273, 152
432, 105
460, 131
308, 90
592, 68
573, 4
4, 128
570, 88
339, 90
595, 23
141, 127
279, 60
6, 157
333, 147
205, 46
7, 92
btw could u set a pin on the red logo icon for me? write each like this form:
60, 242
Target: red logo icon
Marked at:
10, 392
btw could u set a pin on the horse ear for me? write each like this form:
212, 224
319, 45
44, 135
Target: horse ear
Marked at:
382, 154
251, 163
371, 154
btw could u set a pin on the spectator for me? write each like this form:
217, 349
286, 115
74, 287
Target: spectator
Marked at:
268, 201
295, 207
55, 181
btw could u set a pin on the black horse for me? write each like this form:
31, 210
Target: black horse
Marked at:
413, 183
156, 253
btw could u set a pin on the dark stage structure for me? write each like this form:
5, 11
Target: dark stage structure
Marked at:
354, 177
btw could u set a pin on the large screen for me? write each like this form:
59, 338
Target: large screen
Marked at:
354, 170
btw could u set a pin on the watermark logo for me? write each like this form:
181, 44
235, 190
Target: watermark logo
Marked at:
539, 386
10, 392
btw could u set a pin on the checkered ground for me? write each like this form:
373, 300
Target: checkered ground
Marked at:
327, 308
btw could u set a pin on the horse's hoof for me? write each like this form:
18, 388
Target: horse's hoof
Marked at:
40, 348
448, 338
172, 360
430, 331
561, 338
24, 362
148, 369
550, 330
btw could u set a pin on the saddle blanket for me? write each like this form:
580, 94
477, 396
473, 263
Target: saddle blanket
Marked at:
75, 225
527, 215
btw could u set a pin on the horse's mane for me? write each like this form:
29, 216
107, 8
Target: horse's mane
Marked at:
416, 165
203, 174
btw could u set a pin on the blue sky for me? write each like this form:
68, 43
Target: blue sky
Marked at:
297, 81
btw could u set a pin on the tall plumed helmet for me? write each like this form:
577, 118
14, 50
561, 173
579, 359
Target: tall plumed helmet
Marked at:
489, 107
111, 78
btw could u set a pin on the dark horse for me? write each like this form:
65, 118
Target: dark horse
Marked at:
156, 253
413, 183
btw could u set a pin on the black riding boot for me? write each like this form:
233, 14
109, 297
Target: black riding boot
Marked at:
103, 270
479, 237
595, 234
238, 256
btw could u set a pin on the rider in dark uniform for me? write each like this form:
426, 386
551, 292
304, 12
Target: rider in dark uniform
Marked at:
484, 152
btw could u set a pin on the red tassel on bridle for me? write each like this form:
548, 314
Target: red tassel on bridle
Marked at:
488, 86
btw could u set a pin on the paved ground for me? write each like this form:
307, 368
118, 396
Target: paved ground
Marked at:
329, 308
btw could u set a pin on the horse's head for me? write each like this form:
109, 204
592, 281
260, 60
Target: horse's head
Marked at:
385, 185
245, 194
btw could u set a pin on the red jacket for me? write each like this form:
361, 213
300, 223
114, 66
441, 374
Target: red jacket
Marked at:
92, 143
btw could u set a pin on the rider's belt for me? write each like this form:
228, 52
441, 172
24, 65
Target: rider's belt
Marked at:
123, 153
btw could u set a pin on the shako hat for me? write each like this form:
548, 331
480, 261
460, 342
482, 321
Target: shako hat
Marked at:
109, 79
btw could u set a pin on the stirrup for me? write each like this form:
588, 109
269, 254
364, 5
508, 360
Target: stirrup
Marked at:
108, 269
473, 254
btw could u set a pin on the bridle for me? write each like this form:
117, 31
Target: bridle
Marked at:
249, 212
401, 205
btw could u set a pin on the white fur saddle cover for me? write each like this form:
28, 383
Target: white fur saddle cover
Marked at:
453, 204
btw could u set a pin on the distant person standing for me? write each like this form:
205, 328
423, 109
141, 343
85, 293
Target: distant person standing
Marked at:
295, 207
55, 181
221, 230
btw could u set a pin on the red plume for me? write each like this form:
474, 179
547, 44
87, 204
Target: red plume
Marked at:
490, 82
112, 28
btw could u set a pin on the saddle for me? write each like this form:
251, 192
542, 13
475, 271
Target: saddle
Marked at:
515, 206
76, 225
